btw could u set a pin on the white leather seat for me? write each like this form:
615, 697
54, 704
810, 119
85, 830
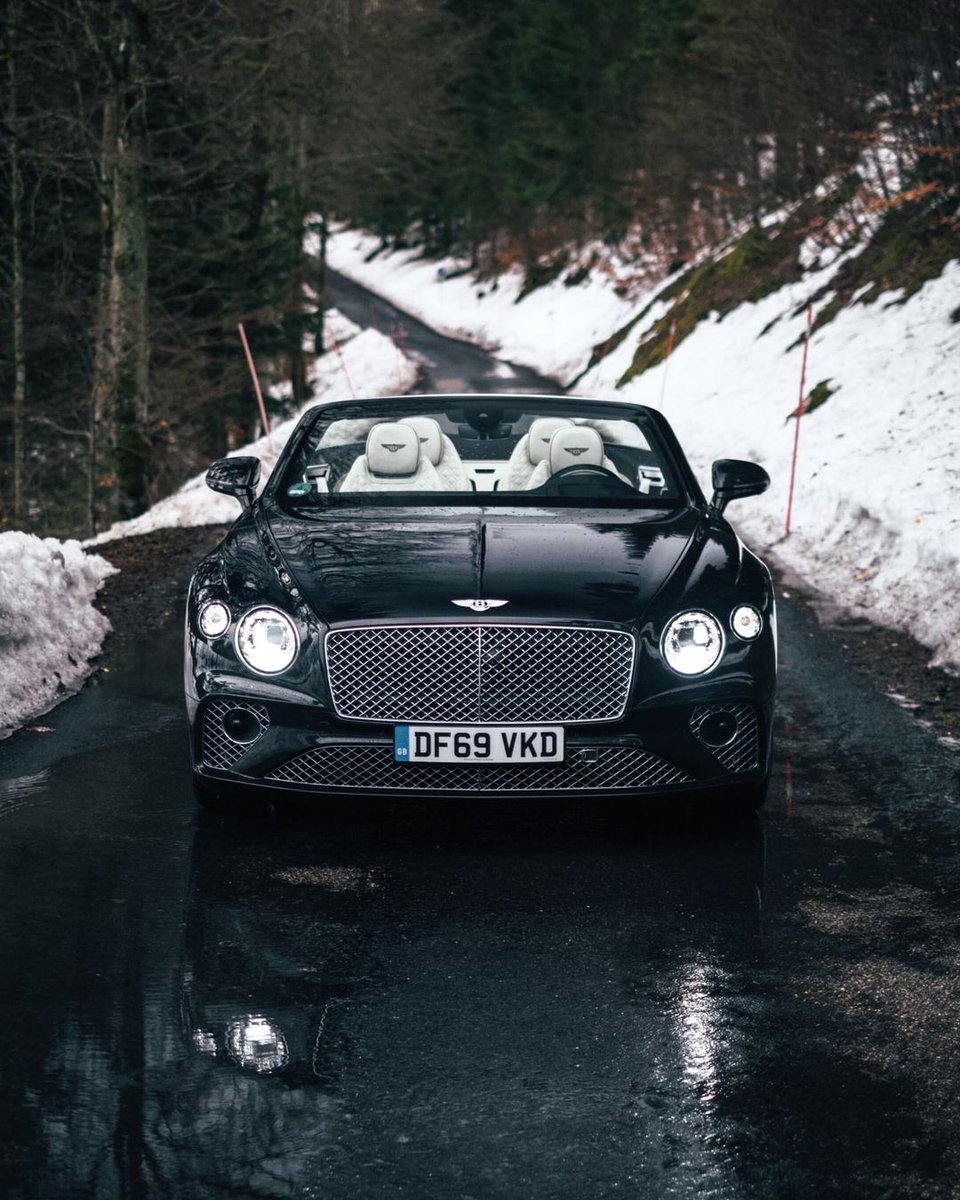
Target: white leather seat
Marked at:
577, 447
438, 449
391, 462
529, 452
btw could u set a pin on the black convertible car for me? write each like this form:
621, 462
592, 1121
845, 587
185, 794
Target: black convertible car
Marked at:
485, 596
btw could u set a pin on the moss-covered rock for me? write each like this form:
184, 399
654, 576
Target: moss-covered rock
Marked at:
818, 395
755, 265
913, 243
918, 236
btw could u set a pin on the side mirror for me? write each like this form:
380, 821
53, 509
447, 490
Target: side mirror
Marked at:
236, 477
733, 479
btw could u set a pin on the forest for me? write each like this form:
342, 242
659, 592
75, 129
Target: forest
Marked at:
161, 161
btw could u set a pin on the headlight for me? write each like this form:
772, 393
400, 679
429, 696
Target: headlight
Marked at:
692, 643
746, 622
267, 641
214, 619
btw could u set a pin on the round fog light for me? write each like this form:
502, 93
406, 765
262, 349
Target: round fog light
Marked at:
241, 726
718, 729
746, 622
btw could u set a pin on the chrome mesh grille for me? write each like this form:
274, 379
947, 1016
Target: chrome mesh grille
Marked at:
369, 768
488, 673
218, 750
742, 752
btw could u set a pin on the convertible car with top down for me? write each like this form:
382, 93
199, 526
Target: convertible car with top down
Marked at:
479, 596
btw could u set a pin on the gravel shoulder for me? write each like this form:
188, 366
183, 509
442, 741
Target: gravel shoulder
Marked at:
155, 569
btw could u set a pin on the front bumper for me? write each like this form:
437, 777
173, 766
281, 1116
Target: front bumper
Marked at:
260, 741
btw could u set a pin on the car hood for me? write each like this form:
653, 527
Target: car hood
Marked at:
544, 564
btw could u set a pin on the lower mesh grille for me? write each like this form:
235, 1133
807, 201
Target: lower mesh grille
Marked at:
218, 750
367, 767
742, 752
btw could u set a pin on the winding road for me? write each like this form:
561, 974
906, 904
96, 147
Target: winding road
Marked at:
547, 1001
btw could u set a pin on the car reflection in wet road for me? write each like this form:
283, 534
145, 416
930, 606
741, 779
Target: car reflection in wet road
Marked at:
509, 997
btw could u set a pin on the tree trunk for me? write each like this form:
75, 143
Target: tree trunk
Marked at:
17, 282
128, 285
122, 360
101, 480
320, 269
295, 321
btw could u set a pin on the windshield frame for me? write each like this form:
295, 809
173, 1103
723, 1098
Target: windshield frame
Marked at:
650, 422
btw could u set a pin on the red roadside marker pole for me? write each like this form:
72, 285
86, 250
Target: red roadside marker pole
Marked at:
799, 414
256, 381
343, 366
666, 365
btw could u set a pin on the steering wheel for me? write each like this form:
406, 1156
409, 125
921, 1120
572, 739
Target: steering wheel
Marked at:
586, 479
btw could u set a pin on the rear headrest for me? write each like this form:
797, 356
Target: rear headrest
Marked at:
575, 447
392, 449
539, 435
431, 439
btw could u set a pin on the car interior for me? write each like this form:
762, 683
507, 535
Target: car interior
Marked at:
470, 450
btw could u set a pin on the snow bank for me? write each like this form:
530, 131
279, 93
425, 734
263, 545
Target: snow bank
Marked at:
49, 628
876, 517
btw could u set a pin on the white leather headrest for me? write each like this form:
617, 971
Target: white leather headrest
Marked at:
539, 435
431, 439
575, 447
392, 449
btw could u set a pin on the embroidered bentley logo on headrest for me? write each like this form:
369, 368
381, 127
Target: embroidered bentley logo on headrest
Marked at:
576, 451
393, 447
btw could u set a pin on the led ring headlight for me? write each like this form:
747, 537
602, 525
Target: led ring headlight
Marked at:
267, 641
692, 643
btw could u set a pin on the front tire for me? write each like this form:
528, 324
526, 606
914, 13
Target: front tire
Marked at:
212, 797
747, 800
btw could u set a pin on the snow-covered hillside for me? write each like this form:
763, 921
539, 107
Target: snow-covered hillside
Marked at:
876, 513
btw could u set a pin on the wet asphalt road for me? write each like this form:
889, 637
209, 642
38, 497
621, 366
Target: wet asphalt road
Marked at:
502, 1001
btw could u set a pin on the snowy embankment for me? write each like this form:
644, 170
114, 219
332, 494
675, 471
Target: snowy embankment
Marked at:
876, 514
49, 627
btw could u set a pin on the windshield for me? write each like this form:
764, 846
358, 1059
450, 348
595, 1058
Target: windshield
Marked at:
486, 450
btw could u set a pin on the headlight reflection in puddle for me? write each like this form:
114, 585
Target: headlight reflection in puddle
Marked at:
698, 1020
256, 1044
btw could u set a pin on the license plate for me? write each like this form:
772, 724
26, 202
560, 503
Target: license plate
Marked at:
478, 743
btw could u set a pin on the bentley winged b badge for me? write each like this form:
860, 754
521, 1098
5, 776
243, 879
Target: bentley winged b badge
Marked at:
480, 605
